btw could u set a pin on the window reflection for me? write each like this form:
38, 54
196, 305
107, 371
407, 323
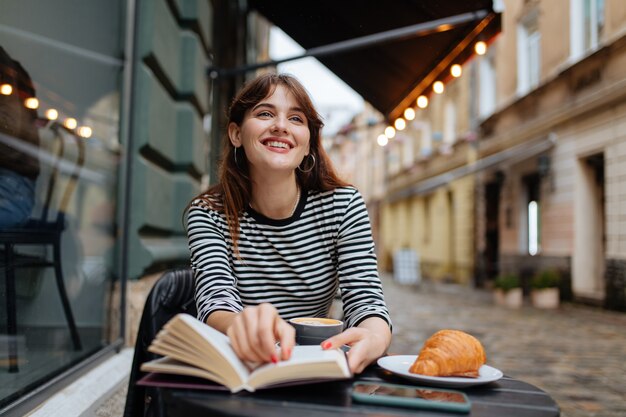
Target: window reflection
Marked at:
59, 160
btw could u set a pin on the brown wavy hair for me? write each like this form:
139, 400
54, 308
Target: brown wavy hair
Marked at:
233, 191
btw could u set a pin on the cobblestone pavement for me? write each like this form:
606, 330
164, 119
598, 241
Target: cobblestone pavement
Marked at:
577, 353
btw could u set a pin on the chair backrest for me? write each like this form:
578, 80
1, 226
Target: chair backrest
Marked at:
173, 293
59, 162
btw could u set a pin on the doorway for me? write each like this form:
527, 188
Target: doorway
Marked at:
491, 255
590, 219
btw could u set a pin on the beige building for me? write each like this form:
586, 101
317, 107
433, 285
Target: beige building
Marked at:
423, 210
520, 164
407, 211
557, 72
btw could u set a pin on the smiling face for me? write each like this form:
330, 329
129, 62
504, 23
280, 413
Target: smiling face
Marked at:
274, 133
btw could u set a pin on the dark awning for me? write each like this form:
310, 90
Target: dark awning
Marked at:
390, 75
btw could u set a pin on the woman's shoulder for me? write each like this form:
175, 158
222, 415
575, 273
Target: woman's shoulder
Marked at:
208, 202
336, 197
342, 191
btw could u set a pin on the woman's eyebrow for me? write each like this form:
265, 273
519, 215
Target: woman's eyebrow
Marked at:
273, 107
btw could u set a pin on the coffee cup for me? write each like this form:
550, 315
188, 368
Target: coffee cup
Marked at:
314, 330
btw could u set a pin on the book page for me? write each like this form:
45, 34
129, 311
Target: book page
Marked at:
172, 366
187, 339
306, 363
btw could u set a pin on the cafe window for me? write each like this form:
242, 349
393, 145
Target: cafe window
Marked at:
532, 212
487, 85
407, 149
528, 53
61, 68
586, 26
394, 158
449, 124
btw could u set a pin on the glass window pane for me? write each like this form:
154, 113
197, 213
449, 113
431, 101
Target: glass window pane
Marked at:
59, 158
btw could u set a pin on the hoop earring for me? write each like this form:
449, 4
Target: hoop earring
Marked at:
312, 164
235, 153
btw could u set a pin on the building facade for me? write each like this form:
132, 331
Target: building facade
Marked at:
517, 167
412, 205
558, 80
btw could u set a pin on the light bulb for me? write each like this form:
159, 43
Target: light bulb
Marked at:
480, 48
456, 70
6, 89
382, 140
84, 131
400, 124
422, 102
409, 113
31, 103
52, 114
70, 123
438, 87
390, 132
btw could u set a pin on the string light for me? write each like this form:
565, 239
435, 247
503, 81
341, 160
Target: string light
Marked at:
409, 113
456, 70
52, 114
390, 132
480, 48
6, 89
31, 103
400, 124
438, 87
382, 140
422, 102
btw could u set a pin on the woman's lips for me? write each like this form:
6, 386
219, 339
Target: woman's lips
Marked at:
277, 144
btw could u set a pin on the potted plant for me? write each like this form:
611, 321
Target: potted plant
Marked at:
508, 291
545, 289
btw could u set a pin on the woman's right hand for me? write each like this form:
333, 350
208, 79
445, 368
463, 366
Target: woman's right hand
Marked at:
254, 332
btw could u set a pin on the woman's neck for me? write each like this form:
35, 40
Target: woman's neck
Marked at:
277, 198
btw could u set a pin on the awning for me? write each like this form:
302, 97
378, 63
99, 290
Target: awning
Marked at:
389, 74
508, 156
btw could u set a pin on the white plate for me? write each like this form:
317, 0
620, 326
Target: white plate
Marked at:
400, 364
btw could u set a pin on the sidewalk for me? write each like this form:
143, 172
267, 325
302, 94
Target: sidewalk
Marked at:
577, 354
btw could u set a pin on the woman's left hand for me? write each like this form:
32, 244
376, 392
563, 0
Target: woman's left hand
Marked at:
368, 342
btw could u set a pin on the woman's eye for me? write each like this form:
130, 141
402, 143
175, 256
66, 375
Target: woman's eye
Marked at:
297, 119
264, 114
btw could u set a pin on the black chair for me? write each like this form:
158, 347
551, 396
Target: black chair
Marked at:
172, 294
44, 230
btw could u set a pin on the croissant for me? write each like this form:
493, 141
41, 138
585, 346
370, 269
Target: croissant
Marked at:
450, 353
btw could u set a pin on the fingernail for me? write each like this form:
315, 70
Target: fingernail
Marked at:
274, 358
326, 345
287, 353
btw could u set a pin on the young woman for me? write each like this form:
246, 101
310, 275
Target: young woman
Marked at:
281, 232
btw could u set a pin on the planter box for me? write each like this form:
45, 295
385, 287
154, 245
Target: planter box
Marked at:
545, 298
510, 299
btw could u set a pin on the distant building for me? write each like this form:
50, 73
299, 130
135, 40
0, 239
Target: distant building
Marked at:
519, 166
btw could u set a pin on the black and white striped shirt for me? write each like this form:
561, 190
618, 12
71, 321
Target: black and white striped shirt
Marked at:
296, 264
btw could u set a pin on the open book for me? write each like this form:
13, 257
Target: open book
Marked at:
190, 347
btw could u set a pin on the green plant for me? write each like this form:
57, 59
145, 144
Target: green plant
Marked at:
507, 282
548, 278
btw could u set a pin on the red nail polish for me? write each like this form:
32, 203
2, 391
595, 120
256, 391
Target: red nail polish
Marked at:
274, 358
326, 345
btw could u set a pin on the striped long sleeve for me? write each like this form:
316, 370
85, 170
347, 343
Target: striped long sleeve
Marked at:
296, 264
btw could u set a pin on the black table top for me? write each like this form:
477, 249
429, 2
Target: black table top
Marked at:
506, 397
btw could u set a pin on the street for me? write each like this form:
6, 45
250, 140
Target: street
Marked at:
577, 353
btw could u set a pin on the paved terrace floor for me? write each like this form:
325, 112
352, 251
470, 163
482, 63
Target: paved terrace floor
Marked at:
577, 353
